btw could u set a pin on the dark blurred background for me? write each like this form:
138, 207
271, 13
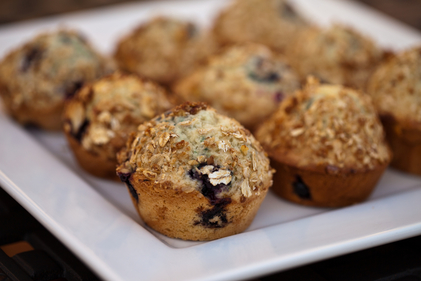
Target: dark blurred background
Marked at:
408, 11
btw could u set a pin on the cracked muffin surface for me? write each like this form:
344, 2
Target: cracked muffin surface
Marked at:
195, 174
329, 137
246, 82
271, 22
164, 49
101, 116
396, 91
337, 55
38, 77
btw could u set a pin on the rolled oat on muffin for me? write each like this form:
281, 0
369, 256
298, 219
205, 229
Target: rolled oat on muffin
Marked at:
327, 145
337, 55
396, 91
270, 22
101, 116
37, 78
246, 82
164, 49
194, 174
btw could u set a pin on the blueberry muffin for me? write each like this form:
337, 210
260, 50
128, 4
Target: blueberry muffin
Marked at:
246, 82
270, 22
338, 55
327, 146
163, 49
194, 174
396, 91
38, 77
100, 117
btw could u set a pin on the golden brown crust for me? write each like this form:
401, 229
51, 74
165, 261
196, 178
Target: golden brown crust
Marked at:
323, 189
177, 214
273, 23
163, 49
197, 175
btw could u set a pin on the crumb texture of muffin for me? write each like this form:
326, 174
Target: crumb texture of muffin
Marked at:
338, 55
327, 145
271, 22
101, 116
396, 91
246, 82
164, 49
36, 78
194, 174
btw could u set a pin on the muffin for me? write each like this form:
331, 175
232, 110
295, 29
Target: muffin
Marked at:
271, 22
194, 174
163, 49
38, 77
246, 82
327, 146
101, 116
338, 55
396, 91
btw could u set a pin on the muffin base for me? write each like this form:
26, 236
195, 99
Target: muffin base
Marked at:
48, 118
178, 214
97, 165
405, 143
321, 189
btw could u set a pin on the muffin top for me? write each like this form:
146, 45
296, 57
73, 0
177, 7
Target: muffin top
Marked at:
327, 127
50, 68
338, 55
270, 22
193, 148
396, 87
103, 113
246, 82
163, 49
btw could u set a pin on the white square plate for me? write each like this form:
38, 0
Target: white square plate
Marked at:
96, 220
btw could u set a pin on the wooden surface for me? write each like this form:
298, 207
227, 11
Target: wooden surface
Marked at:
408, 11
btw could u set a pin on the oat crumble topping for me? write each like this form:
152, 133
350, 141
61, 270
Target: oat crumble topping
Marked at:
193, 137
326, 125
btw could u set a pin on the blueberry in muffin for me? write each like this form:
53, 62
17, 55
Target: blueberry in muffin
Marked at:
327, 145
101, 116
194, 174
246, 82
38, 77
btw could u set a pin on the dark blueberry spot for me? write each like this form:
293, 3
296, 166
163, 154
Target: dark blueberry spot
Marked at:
191, 30
72, 89
32, 56
125, 177
279, 96
208, 217
263, 71
81, 131
301, 189
210, 192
